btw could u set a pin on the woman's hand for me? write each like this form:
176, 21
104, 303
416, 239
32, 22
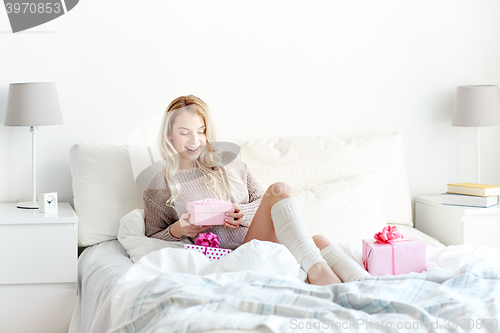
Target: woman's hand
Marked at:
189, 230
233, 220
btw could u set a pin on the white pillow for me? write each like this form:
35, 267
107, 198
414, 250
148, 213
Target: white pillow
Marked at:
104, 190
310, 161
346, 210
134, 241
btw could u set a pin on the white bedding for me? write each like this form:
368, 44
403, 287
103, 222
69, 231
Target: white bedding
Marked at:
463, 282
99, 268
257, 288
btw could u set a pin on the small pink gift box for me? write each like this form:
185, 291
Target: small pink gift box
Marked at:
212, 253
209, 211
394, 256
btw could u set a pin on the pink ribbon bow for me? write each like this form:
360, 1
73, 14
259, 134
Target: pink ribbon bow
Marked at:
388, 235
208, 240
207, 205
206, 201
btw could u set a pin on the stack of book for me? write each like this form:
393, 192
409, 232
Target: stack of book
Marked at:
472, 195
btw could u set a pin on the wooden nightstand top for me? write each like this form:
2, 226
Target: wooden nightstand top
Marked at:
435, 200
10, 214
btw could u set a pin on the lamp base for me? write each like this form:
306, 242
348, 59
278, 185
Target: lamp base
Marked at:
27, 205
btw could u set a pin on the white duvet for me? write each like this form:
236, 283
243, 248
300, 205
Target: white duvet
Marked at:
258, 287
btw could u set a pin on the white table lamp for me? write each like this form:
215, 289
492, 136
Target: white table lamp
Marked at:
477, 106
33, 104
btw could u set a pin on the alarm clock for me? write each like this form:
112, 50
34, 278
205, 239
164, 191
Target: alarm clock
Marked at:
47, 202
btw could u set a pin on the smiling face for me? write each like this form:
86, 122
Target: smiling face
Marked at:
188, 136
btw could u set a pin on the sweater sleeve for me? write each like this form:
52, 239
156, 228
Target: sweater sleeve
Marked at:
158, 217
255, 195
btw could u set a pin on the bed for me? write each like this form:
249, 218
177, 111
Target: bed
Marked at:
349, 189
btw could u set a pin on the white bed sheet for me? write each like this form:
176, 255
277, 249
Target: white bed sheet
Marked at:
99, 268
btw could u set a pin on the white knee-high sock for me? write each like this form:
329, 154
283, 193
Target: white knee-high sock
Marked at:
291, 231
344, 266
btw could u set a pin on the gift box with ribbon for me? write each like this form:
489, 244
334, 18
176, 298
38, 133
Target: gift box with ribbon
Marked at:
209, 211
208, 244
391, 253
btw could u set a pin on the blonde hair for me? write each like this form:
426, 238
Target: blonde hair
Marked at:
209, 162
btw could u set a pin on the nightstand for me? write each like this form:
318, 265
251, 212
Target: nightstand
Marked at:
38, 268
453, 225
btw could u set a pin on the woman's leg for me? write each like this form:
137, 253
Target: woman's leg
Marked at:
292, 232
321, 241
262, 227
341, 264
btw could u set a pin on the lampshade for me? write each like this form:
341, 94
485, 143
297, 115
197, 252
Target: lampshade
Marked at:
33, 104
477, 106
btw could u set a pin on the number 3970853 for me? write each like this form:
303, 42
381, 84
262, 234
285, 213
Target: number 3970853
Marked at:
27, 7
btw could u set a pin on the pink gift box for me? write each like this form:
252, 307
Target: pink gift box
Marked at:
409, 256
209, 211
212, 253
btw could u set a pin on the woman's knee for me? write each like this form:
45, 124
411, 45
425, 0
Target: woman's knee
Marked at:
280, 190
321, 241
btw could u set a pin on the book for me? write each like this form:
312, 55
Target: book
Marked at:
481, 190
452, 199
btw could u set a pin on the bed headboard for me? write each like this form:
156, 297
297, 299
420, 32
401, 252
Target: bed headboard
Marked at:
308, 161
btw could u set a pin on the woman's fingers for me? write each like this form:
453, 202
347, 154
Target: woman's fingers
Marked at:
231, 226
233, 220
236, 215
193, 230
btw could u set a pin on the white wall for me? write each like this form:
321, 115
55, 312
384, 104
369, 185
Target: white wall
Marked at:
266, 68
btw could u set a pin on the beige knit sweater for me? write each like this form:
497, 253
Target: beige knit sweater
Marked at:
159, 217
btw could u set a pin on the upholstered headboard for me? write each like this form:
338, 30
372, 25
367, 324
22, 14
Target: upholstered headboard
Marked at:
309, 161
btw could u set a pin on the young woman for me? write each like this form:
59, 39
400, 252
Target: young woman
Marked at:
194, 170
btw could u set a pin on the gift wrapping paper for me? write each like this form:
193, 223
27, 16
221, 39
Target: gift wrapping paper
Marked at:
212, 253
409, 256
209, 211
